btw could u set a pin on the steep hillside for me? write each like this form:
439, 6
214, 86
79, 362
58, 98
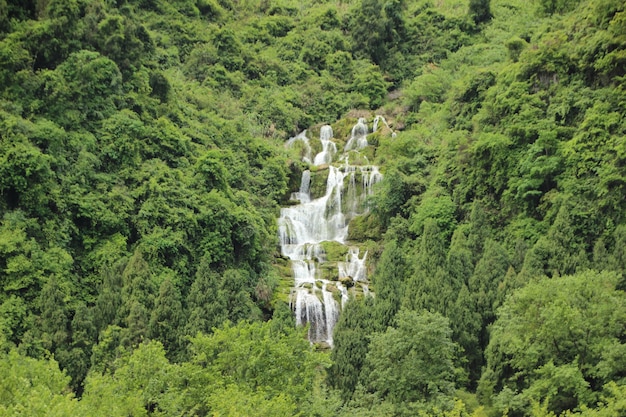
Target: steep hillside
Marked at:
143, 166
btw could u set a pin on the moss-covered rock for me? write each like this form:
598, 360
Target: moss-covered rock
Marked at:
332, 288
360, 157
282, 291
319, 179
328, 271
373, 139
293, 180
335, 251
347, 282
342, 129
322, 347
362, 228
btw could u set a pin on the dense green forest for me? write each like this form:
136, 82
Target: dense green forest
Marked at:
142, 168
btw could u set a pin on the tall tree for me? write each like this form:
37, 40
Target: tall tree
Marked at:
488, 275
480, 11
429, 286
376, 27
414, 362
389, 282
351, 342
54, 315
557, 341
138, 294
167, 318
84, 336
109, 300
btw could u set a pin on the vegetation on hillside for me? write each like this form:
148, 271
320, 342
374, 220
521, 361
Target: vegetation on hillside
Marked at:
142, 167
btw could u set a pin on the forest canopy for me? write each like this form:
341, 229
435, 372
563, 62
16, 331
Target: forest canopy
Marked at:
143, 167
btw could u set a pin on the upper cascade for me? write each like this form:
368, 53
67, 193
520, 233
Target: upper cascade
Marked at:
329, 148
358, 138
321, 287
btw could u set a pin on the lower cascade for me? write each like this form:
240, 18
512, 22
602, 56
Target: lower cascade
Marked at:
316, 222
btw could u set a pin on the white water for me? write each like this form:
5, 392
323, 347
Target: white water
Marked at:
358, 139
304, 226
329, 148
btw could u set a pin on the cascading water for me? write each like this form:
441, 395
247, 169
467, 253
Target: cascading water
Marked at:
304, 227
358, 139
329, 148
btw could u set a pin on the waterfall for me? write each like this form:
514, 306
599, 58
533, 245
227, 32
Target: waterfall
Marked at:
358, 138
317, 299
303, 194
329, 149
302, 137
377, 121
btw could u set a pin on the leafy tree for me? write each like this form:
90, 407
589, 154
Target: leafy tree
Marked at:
109, 299
389, 280
137, 323
235, 401
414, 361
617, 260
84, 88
138, 291
611, 403
136, 387
211, 171
556, 340
35, 387
480, 11
121, 139
167, 318
84, 336
557, 6
244, 356
26, 176
463, 313
215, 298
438, 206
393, 192
54, 315
488, 275
351, 342
429, 286
13, 324
376, 27
206, 310
369, 82
108, 349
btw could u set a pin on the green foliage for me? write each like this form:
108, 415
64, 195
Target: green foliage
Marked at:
431, 86
214, 299
611, 403
167, 318
413, 362
351, 344
392, 271
555, 341
241, 355
438, 207
141, 168
26, 175
376, 26
84, 88
428, 273
479, 10
557, 6
34, 387
515, 46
